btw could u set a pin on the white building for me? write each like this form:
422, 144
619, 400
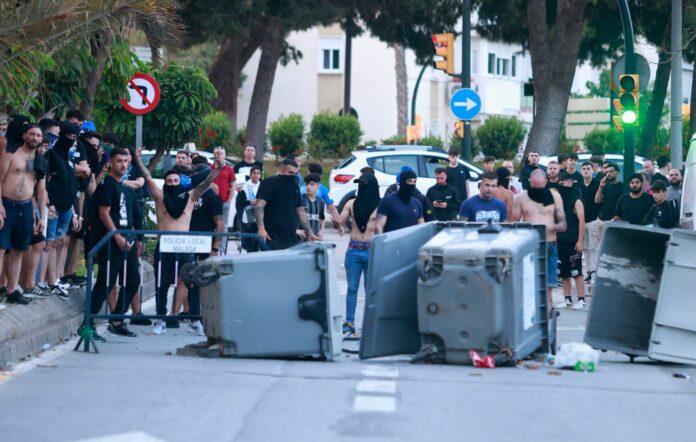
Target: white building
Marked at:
498, 73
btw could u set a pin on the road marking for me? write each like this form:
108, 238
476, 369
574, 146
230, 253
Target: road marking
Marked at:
377, 387
133, 436
375, 404
380, 371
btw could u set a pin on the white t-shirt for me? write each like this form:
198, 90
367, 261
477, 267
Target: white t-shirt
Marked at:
250, 189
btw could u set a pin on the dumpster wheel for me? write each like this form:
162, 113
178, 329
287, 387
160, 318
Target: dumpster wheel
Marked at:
186, 273
205, 274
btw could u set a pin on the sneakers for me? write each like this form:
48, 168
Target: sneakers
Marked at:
589, 276
348, 330
73, 279
121, 330
160, 328
196, 327
58, 291
17, 298
138, 320
63, 286
567, 302
580, 305
36, 292
96, 336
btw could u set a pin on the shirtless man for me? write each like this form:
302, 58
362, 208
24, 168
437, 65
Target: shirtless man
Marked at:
20, 181
539, 205
363, 211
174, 207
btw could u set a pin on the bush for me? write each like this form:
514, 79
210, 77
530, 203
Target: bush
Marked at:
607, 140
431, 140
500, 137
215, 131
395, 139
455, 142
333, 135
287, 135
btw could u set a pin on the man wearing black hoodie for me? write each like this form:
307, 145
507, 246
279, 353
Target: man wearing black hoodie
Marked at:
400, 209
363, 212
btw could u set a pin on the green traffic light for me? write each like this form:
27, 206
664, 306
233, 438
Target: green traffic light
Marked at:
628, 117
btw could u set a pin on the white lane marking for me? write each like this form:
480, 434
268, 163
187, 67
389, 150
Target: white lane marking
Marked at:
380, 371
564, 329
376, 387
133, 436
375, 404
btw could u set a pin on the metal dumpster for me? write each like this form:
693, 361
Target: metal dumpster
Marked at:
281, 304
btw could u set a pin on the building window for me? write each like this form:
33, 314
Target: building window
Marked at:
514, 66
330, 50
499, 66
491, 63
506, 67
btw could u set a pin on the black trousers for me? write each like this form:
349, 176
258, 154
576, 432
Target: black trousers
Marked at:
167, 266
114, 265
250, 244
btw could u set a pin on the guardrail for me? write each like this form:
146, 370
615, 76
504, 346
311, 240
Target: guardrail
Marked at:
181, 244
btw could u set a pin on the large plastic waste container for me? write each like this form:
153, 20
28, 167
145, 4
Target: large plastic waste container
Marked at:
626, 287
281, 304
392, 314
482, 289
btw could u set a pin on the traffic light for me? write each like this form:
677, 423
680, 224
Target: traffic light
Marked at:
459, 129
444, 47
628, 102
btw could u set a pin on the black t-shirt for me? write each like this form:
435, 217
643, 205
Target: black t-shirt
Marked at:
577, 178
399, 214
110, 193
456, 177
242, 170
588, 195
79, 156
665, 215
205, 209
552, 185
61, 183
444, 194
611, 195
282, 196
634, 210
659, 176
572, 222
133, 174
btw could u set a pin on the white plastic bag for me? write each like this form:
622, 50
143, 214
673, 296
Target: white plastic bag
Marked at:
578, 355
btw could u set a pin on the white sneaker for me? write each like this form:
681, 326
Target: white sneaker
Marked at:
160, 328
62, 286
563, 304
196, 328
580, 305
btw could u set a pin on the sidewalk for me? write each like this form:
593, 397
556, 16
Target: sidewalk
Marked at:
25, 330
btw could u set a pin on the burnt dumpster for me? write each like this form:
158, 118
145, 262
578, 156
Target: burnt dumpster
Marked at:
282, 304
442, 289
643, 302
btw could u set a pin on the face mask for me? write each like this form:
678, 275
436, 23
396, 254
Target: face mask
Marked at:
175, 199
542, 196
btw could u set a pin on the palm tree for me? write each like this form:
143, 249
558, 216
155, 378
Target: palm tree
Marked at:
32, 29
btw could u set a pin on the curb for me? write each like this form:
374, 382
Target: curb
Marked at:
26, 330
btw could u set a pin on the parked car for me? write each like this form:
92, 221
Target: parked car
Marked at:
611, 157
387, 161
688, 199
160, 169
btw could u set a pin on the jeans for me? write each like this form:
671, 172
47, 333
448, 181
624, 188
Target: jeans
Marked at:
58, 227
591, 246
355, 264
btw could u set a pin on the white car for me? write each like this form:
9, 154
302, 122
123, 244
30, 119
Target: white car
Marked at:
387, 161
160, 169
610, 157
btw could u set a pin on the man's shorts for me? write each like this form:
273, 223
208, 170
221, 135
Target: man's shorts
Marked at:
570, 261
80, 234
551, 265
58, 226
19, 225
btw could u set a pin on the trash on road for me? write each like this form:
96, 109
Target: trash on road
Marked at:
481, 362
679, 375
577, 355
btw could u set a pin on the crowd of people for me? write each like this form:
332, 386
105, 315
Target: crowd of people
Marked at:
64, 186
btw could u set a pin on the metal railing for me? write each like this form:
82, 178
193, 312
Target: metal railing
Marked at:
85, 331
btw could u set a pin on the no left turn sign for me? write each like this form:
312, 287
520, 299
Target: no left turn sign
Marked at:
143, 94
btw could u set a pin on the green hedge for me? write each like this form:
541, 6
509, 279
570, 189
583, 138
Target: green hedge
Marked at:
332, 135
286, 135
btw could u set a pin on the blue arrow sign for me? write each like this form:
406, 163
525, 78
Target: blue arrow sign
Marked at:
465, 104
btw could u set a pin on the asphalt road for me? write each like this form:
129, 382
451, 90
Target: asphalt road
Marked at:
140, 390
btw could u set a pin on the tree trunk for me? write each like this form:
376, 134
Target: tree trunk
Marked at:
226, 71
554, 59
401, 90
271, 51
657, 100
100, 47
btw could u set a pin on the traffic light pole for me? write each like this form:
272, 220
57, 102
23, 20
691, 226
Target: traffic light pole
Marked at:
629, 129
466, 71
415, 92
676, 143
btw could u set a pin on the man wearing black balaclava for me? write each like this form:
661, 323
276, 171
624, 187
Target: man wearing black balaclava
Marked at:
400, 209
363, 211
174, 206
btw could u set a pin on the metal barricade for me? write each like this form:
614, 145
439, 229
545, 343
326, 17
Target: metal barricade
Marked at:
181, 244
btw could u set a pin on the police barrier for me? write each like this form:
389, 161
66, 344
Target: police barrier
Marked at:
175, 255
